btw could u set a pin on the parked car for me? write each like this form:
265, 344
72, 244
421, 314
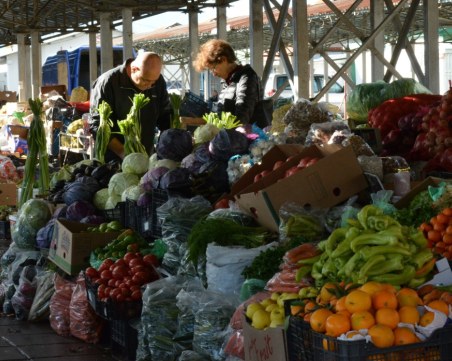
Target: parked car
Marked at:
336, 95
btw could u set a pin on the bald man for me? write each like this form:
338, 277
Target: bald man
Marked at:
118, 87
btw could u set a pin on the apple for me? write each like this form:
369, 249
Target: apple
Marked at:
252, 308
257, 177
312, 161
265, 172
304, 161
277, 315
261, 319
277, 164
292, 171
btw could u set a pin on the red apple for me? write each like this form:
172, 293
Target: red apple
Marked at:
278, 164
303, 162
312, 161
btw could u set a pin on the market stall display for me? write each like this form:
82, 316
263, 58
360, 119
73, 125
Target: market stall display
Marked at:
227, 237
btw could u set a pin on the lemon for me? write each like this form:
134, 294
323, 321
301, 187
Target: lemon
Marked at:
252, 308
261, 319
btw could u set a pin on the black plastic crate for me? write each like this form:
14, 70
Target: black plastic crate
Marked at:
438, 347
97, 305
193, 106
299, 340
138, 218
116, 214
124, 311
124, 339
5, 231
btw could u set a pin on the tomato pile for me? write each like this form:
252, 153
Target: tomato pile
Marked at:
121, 280
438, 232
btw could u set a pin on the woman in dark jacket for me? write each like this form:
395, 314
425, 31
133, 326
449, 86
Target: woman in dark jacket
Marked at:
241, 92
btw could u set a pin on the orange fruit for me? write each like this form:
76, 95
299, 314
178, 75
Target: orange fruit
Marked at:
358, 300
409, 314
381, 335
388, 317
337, 324
327, 292
389, 287
384, 299
439, 305
340, 304
352, 334
427, 318
345, 313
296, 310
371, 287
318, 319
310, 306
362, 320
408, 297
404, 336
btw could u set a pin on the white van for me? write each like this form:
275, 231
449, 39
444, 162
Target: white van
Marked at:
335, 95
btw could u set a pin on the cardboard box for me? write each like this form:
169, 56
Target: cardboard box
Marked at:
8, 194
264, 345
278, 152
71, 245
333, 179
417, 188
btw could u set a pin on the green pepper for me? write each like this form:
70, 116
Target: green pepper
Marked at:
329, 268
366, 212
310, 261
299, 224
351, 264
380, 222
303, 271
344, 246
375, 260
368, 252
388, 237
396, 279
308, 292
417, 282
418, 238
422, 257
392, 262
337, 236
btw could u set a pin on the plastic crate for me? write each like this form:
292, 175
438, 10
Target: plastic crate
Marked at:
97, 305
438, 347
5, 230
124, 339
116, 214
193, 106
138, 218
124, 311
299, 340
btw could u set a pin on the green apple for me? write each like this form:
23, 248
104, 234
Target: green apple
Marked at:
252, 308
271, 307
277, 315
266, 302
286, 296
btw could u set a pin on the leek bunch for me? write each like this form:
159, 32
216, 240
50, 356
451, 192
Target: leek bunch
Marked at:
37, 150
227, 120
130, 127
103, 132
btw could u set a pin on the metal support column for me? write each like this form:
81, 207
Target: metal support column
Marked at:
431, 57
377, 12
221, 22
92, 57
127, 34
256, 34
194, 46
24, 79
35, 64
300, 49
106, 42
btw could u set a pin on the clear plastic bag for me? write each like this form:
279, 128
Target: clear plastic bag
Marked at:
84, 323
40, 309
25, 292
59, 306
321, 133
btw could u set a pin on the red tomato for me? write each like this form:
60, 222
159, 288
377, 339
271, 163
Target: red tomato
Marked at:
107, 291
136, 295
120, 298
292, 171
139, 268
120, 271
114, 293
134, 287
105, 275
136, 262
128, 256
111, 282
151, 259
106, 264
125, 291
91, 273
304, 161
120, 262
222, 203
140, 278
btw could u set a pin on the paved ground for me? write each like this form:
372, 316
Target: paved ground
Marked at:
22, 340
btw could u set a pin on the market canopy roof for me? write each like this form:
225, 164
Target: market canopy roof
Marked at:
57, 17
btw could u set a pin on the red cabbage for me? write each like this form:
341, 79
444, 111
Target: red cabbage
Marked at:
80, 209
151, 179
145, 199
44, 235
174, 144
191, 163
227, 143
178, 180
77, 191
60, 212
93, 219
